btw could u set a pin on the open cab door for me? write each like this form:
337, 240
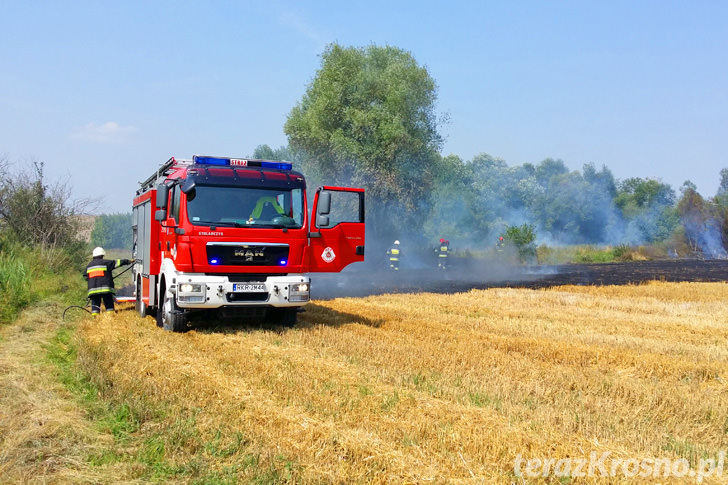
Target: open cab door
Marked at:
337, 229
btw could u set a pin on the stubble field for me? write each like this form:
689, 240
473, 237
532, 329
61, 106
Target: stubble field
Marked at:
486, 386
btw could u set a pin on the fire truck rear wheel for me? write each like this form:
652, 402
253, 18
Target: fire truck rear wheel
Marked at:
172, 318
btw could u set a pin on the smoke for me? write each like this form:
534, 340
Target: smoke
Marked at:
475, 202
706, 237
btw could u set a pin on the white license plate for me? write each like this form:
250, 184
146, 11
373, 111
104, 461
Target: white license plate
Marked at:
248, 287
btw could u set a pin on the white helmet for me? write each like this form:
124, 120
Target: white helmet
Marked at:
98, 252
396, 242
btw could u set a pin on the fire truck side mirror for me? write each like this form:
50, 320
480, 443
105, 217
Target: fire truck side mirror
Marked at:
162, 195
322, 221
324, 203
160, 215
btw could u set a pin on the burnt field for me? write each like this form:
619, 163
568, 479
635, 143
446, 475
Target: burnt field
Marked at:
464, 275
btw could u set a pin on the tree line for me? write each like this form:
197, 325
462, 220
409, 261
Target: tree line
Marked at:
368, 119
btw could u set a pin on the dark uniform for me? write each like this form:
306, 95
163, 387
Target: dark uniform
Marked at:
101, 282
442, 253
394, 254
500, 244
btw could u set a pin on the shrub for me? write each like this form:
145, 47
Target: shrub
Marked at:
522, 238
15, 285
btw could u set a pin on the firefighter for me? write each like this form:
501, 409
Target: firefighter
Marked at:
394, 254
500, 244
442, 251
101, 280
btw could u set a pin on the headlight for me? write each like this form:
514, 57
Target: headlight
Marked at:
298, 292
190, 288
191, 293
300, 287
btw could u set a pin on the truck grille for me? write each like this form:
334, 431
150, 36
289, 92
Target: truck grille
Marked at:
247, 255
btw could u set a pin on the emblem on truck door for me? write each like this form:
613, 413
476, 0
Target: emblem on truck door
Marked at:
328, 255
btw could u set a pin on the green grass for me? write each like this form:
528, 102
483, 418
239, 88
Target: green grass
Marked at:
598, 254
29, 275
158, 453
15, 285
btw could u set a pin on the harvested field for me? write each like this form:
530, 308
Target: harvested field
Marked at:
424, 387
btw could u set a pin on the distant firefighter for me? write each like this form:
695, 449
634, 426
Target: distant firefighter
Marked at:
500, 244
442, 251
394, 253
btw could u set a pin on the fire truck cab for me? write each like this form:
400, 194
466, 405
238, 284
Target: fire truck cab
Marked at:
234, 236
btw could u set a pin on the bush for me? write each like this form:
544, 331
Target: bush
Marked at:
15, 285
36, 213
622, 252
40, 253
522, 238
31, 274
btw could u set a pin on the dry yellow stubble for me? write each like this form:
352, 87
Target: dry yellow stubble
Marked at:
434, 388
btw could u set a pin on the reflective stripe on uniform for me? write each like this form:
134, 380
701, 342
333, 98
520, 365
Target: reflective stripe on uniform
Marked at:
96, 271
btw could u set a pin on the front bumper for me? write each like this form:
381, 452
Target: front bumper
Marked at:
199, 291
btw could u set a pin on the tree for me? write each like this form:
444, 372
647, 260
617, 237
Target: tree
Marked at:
523, 237
723, 187
368, 119
450, 215
703, 222
548, 169
721, 201
647, 207
34, 212
265, 152
112, 231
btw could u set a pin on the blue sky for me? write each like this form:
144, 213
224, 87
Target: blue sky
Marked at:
104, 92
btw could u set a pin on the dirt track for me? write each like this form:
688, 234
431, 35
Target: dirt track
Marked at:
474, 274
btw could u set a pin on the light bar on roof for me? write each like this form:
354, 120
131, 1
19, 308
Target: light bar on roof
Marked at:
241, 162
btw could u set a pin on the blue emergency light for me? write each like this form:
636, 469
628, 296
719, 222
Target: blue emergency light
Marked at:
241, 162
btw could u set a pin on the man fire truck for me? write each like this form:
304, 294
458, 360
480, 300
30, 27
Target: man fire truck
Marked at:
234, 236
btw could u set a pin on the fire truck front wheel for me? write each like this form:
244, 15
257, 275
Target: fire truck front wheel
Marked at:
169, 314
140, 306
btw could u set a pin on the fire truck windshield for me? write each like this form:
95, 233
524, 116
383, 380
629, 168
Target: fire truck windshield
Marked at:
245, 207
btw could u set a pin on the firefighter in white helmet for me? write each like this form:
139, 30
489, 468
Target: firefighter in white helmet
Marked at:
395, 253
101, 280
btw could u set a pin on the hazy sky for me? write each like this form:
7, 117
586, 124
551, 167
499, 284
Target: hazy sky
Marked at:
103, 92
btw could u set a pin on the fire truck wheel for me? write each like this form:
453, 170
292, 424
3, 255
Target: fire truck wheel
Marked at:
140, 306
173, 319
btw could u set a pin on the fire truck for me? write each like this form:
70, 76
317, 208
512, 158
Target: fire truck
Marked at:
233, 236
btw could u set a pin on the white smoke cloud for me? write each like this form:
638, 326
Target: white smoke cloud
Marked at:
109, 132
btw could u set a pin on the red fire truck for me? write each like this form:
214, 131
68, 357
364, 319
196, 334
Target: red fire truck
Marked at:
233, 236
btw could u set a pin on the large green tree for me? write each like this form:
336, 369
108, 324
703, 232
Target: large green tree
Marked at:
647, 205
368, 119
